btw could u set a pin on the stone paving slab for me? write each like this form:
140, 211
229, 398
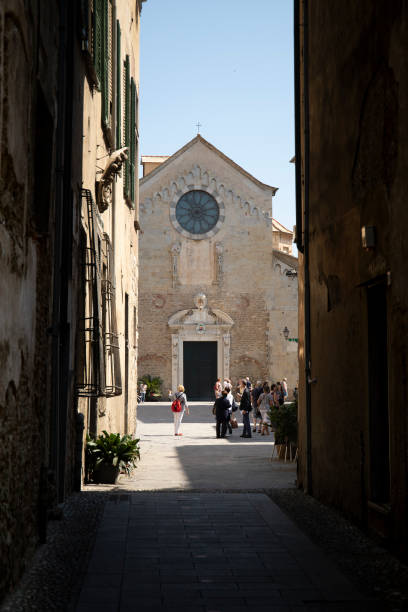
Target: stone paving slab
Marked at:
197, 459
234, 570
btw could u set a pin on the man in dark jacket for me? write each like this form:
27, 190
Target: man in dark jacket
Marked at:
221, 405
245, 406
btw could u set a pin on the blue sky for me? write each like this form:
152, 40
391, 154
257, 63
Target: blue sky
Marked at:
229, 65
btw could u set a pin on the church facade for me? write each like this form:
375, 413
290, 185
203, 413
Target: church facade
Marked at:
216, 299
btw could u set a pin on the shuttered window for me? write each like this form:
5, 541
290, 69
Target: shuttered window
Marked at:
97, 38
126, 125
118, 89
107, 72
132, 156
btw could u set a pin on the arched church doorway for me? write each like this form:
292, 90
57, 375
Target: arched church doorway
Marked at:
200, 339
200, 369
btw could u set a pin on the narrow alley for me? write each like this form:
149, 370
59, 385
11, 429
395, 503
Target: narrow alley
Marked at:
203, 213
193, 528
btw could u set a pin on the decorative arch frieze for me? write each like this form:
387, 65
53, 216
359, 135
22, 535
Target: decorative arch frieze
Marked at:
201, 178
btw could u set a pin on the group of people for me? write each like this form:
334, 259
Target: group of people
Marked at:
257, 399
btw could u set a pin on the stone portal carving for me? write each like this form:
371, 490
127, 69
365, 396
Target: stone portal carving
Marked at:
200, 300
200, 324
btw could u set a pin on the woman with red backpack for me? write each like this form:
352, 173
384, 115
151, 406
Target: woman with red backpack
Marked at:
178, 407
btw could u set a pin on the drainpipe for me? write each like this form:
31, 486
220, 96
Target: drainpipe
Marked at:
302, 217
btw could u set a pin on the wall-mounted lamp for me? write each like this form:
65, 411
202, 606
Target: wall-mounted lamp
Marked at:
291, 273
286, 332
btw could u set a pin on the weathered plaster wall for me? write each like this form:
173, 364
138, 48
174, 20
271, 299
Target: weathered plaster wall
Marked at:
358, 158
25, 278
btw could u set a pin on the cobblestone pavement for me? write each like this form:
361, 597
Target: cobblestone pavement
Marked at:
208, 551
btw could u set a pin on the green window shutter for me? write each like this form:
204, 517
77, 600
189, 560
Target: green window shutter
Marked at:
132, 139
126, 183
85, 32
105, 64
118, 90
97, 26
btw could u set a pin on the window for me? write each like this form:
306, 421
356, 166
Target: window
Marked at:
97, 38
129, 133
126, 125
118, 89
134, 327
132, 151
197, 212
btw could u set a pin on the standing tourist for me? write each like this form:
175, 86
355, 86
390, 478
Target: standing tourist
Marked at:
255, 393
180, 397
217, 388
230, 398
285, 388
245, 406
275, 396
279, 392
221, 405
265, 401
142, 394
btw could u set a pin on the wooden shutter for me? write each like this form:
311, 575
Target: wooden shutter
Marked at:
105, 63
132, 155
118, 89
97, 27
126, 133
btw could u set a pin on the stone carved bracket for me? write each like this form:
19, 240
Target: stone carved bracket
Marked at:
112, 169
200, 178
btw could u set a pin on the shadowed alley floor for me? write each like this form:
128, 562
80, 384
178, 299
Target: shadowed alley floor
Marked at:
173, 538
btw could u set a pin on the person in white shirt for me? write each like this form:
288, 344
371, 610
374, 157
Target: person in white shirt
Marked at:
230, 398
178, 416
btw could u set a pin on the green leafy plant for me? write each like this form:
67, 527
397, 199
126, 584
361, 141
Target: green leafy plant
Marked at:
154, 383
284, 423
112, 449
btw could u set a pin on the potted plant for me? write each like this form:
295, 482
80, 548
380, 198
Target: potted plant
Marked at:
153, 383
109, 454
284, 423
